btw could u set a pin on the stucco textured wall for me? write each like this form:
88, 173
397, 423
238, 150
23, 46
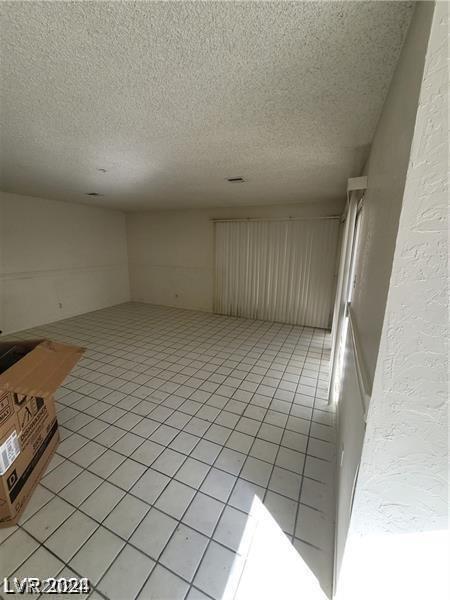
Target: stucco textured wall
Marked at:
386, 171
397, 546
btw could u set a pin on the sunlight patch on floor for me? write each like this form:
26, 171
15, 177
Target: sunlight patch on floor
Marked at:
268, 566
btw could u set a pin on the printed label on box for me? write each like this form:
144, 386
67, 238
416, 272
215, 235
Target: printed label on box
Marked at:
9, 451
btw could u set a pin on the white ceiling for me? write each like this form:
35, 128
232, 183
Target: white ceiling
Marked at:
172, 98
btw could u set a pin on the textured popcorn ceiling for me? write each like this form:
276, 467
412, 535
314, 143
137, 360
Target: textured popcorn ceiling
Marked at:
172, 98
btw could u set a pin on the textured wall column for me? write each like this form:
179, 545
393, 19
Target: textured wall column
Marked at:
397, 545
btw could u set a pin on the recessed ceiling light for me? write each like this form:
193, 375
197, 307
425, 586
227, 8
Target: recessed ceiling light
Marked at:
235, 179
93, 194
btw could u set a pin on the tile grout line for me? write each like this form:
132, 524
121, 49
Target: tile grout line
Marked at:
276, 356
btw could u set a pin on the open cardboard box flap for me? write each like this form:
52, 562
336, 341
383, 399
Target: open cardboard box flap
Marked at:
42, 370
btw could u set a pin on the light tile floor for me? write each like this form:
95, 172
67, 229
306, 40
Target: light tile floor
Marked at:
196, 460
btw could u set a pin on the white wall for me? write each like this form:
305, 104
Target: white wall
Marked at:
171, 253
397, 545
58, 259
386, 170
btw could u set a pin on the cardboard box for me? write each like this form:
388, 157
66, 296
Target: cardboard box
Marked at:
28, 426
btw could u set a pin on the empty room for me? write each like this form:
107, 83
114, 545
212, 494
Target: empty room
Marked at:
223, 300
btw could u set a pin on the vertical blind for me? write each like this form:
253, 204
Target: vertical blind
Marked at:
276, 270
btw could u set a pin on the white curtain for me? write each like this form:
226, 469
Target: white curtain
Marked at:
277, 270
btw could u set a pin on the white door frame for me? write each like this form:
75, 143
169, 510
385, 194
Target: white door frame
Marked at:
344, 286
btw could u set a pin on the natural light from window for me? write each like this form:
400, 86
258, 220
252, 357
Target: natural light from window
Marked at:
268, 566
